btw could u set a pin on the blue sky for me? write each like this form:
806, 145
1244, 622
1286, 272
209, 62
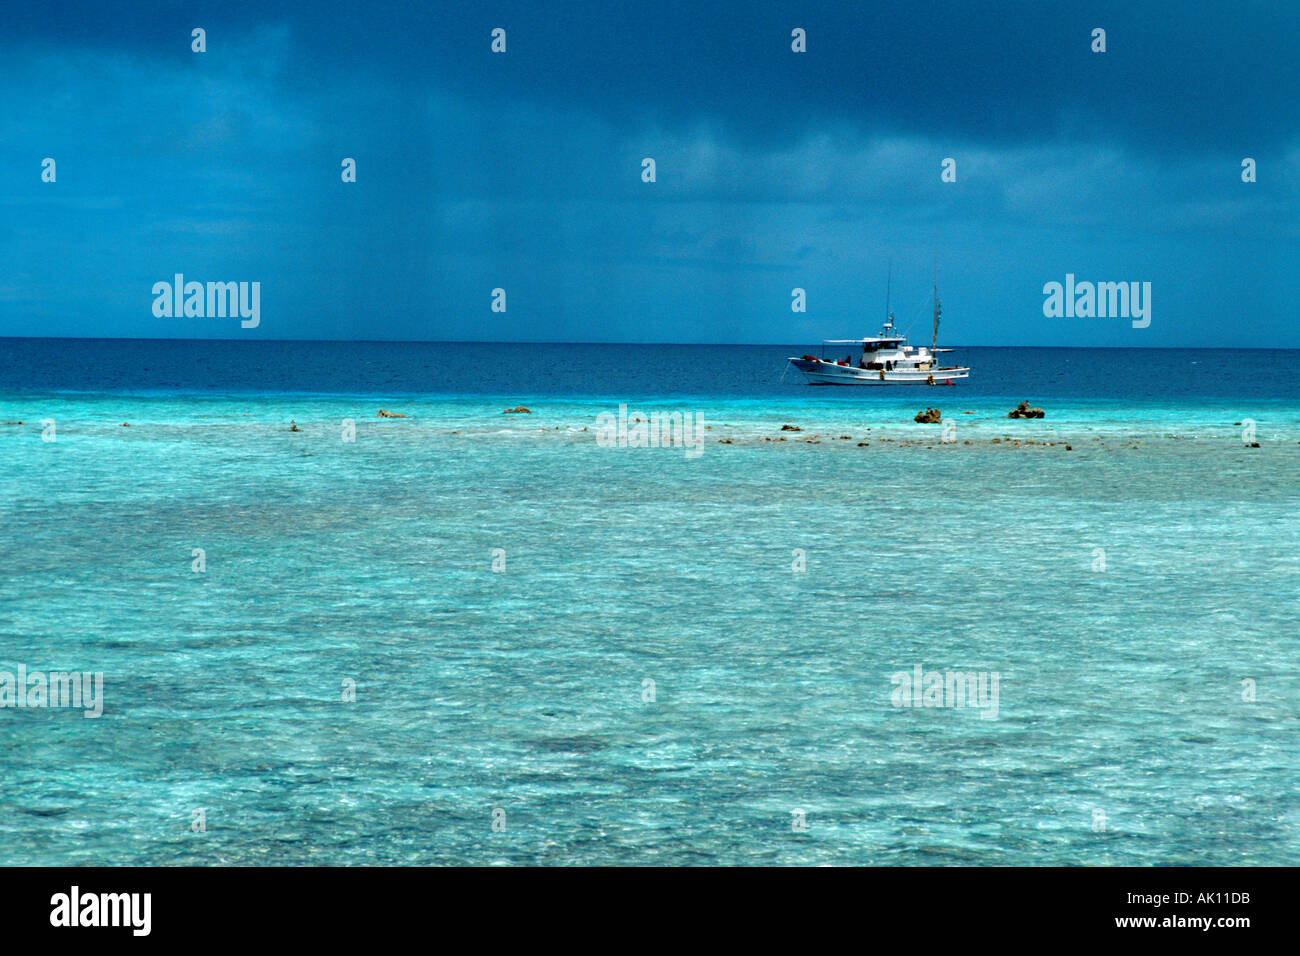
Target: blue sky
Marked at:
775, 169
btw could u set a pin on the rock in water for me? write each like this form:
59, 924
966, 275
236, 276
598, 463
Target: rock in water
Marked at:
1024, 411
517, 410
931, 416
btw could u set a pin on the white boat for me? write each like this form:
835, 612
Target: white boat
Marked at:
886, 359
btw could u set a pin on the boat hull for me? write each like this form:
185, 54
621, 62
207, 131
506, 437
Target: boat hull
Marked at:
829, 373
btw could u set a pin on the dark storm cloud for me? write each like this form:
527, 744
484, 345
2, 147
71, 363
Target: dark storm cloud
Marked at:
775, 170
1176, 75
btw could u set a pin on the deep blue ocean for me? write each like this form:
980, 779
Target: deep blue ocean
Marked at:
467, 636
143, 366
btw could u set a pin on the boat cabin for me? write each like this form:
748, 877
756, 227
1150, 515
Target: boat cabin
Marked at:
888, 352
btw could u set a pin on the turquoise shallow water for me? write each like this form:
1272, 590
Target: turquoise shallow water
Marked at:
1120, 690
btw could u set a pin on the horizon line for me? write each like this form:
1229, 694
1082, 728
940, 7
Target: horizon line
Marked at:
246, 340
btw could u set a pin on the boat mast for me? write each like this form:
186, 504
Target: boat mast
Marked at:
934, 338
888, 282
